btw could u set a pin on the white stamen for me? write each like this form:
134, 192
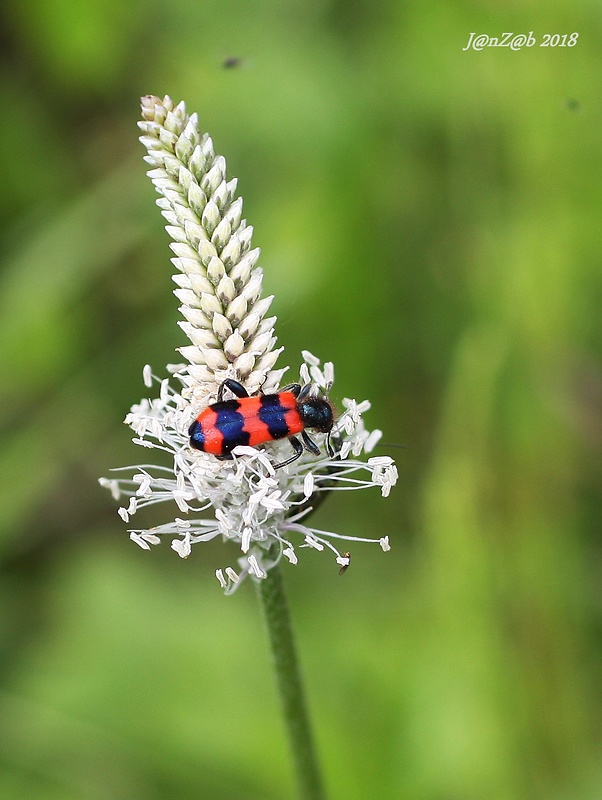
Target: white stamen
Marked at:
182, 546
255, 569
310, 541
305, 376
232, 575
245, 541
310, 359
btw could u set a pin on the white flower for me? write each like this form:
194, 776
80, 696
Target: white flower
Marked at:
262, 510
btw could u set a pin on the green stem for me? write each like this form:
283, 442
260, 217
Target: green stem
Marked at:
277, 617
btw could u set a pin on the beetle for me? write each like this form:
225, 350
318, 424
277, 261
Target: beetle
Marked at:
247, 420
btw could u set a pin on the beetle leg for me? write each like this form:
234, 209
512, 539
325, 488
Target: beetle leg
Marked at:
305, 392
310, 444
293, 388
297, 447
235, 387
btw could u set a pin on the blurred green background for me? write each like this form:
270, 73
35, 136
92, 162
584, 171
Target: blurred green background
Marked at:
430, 221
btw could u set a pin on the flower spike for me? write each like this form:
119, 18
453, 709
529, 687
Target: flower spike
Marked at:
219, 284
245, 500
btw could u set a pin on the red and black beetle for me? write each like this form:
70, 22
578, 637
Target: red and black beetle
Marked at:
263, 418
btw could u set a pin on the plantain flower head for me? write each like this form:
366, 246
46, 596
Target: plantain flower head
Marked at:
263, 510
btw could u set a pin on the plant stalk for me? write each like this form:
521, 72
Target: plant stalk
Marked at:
288, 676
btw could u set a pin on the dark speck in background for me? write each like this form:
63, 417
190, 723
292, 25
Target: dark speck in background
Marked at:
232, 62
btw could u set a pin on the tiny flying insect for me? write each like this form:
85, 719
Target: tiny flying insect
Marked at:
246, 420
345, 567
231, 62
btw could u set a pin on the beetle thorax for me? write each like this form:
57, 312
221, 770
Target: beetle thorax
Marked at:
316, 413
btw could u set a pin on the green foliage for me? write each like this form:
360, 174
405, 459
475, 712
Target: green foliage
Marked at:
429, 220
